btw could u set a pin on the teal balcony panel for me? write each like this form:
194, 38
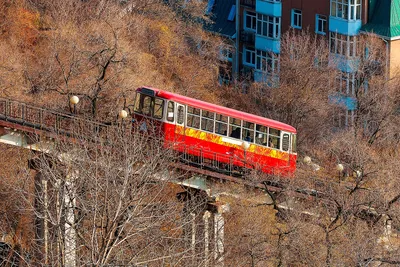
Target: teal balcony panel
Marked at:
272, 80
342, 26
348, 102
260, 76
268, 44
269, 8
345, 64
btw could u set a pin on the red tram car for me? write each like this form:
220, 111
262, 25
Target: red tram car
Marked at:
216, 136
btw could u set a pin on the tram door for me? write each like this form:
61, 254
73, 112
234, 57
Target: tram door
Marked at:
180, 125
286, 143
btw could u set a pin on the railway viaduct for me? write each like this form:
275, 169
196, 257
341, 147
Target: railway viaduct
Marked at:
36, 128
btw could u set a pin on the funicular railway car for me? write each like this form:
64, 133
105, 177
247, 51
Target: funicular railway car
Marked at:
221, 138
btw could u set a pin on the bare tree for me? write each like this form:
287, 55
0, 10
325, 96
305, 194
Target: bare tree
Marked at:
110, 200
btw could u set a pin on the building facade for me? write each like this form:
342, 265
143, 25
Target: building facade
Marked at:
260, 24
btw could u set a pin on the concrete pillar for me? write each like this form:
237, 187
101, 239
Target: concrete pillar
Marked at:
219, 224
193, 243
206, 218
45, 221
39, 214
70, 232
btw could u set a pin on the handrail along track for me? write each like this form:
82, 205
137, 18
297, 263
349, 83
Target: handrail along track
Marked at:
33, 119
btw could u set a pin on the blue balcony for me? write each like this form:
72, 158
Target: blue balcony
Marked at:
270, 8
342, 26
268, 44
272, 80
348, 102
260, 76
343, 63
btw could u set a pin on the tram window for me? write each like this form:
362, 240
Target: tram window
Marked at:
221, 124
274, 138
261, 135
149, 106
143, 104
158, 108
235, 128
193, 117
181, 114
294, 146
170, 111
192, 110
248, 131
285, 142
207, 121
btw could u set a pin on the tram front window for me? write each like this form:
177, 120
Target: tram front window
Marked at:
149, 106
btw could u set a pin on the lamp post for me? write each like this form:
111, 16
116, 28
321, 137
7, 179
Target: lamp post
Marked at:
357, 174
307, 160
122, 114
339, 168
246, 146
74, 100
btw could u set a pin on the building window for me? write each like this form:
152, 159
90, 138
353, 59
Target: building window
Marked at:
268, 26
346, 9
296, 18
249, 57
340, 117
343, 44
345, 83
250, 20
320, 24
266, 61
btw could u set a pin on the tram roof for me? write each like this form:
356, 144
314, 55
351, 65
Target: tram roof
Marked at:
222, 110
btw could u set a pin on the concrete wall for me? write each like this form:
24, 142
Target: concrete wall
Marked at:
394, 63
309, 9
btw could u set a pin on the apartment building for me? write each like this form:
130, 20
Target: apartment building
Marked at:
260, 24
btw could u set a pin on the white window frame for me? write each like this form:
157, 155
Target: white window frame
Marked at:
320, 20
343, 44
252, 53
345, 83
266, 62
297, 15
268, 26
253, 18
346, 9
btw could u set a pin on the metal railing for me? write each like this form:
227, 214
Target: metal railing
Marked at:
214, 161
48, 120
64, 124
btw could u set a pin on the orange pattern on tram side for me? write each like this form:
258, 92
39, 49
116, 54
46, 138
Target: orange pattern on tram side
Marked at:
216, 139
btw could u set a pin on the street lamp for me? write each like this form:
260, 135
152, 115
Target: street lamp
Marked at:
357, 174
307, 160
339, 168
74, 100
246, 146
123, 114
